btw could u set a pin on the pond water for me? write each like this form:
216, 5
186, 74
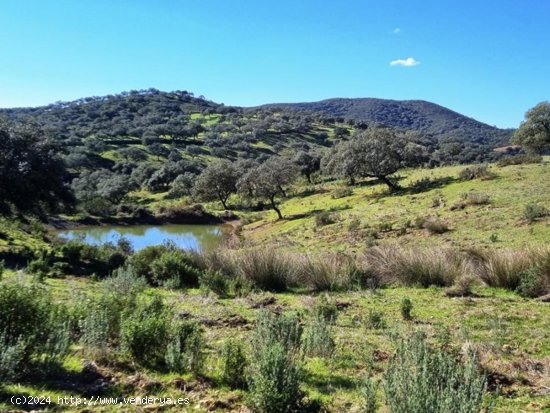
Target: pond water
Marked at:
189, 237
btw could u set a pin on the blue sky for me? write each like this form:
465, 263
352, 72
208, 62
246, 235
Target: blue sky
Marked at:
488, 59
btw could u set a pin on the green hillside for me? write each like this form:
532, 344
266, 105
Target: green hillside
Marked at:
368, 214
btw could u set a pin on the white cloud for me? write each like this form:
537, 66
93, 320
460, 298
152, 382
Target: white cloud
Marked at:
408, 62
397, 30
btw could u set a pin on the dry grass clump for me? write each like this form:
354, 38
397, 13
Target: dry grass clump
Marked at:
435, 226
426, 267
267, 268
333, 272
477, 198
527, 271
476, 172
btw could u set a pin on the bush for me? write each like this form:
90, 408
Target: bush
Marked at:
144, 332
318, 341
341, 193
215, 281
324, 218
533, 211
422, 379
184, 351
275, 381
375, 320
477, 198
174, 264
33, 330
519, 159
100, 317
275, 375
435, 226
234, 364
533, 283
369, 390
326, 309
406, 308
476, 172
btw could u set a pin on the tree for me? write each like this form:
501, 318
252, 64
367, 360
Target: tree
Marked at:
31, 174
216, 182
158, 149
534, 131
267, 181
374, 153
308, 163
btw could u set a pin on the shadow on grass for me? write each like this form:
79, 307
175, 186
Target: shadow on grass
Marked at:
327, 385
314, 212
55, 381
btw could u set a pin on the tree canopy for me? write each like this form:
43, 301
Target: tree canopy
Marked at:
534, 131
216, 182
31, 173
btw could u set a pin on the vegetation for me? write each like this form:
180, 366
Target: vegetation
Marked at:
534, 132
310, 310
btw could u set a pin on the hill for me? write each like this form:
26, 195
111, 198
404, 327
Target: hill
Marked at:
416, 115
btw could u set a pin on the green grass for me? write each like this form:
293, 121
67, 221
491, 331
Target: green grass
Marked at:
510, 333
509, 192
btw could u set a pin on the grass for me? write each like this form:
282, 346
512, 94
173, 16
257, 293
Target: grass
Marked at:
336, 381
470, 226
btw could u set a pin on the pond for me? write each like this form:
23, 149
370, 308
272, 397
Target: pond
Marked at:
189, 237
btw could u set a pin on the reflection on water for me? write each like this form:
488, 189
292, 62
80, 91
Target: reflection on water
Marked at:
189, 237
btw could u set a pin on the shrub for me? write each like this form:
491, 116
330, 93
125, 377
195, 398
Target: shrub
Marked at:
2, 269
368, 391
275, 375
326, 309
341, 193
125, 281
519, 159
533, 211
422, 379
284, 329
476, 172
275, 381
33, 330
234, 364
324, 218
174, 265
184, 351
406, 308
318, 341
354, 224
533, 283
100, 317
215, 281
375, 320
435, 226
141, 260
144, 331
477, 198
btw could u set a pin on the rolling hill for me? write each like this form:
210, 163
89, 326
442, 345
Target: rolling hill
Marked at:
416, 115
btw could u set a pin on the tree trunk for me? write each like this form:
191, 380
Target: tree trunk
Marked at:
223, 201
275, 208
282, 191
308, 176
392, 185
